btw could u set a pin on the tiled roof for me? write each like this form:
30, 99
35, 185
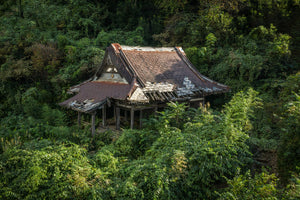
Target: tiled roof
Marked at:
152, 74
168, 65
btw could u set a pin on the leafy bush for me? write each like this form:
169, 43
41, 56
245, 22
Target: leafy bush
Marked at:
187, 160
30, 103
261, 186
52, 117
289, 152
52, 172
131, 38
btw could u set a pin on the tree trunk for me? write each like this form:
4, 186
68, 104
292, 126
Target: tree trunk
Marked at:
21, 13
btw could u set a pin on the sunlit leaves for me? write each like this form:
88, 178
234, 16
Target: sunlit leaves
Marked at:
261, 186
55, 171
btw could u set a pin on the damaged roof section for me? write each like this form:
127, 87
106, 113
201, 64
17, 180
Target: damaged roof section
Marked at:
142, 75
165, 64
93, 94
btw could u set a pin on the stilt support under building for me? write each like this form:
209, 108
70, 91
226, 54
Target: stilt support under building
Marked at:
93, 123
79, 119
141, 118
104, 115
131, 118
118, 118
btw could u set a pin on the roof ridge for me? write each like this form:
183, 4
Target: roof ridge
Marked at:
109, 82
148, 48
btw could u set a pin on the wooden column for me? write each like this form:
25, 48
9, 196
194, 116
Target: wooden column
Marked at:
126, 117
93, 123
141, 117
131, 118
155, 110
104, 115
203, 102
79, 119
118, 118
114, 112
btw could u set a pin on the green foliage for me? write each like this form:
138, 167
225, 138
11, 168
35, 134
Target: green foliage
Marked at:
52, 116
30, 103
175, 116
290, 139
166, 160
264, 144
290, 87
185, 160
128, 144
210, 40
252, 62
239, 110
293, 188
52, 172
47, 46
131, 38
45, 59
20, 129
261, 186
81, 60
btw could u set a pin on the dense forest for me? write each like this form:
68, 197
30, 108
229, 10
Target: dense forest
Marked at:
241, 145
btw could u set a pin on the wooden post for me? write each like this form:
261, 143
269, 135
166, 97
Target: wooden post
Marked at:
115, 113
104, 115
141, 116
79, 119
125, 115
93, 123
118, 118
203, 102
155, 110
21, 12
131, 118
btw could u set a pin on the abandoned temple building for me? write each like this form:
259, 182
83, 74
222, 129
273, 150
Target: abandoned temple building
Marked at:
134, 79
